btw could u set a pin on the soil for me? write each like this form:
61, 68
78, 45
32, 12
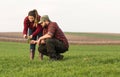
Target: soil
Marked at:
73, 39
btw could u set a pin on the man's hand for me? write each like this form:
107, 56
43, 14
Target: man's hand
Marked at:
33, 42
43, 38
42, 41
39, 41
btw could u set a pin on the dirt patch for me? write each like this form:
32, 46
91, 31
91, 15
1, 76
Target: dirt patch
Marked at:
73, 39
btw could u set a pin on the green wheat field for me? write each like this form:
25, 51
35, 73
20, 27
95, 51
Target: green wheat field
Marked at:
79, 61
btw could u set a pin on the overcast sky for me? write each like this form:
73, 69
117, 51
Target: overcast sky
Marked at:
71, 15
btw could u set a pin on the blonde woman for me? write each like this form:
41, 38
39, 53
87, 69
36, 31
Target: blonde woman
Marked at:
33, 29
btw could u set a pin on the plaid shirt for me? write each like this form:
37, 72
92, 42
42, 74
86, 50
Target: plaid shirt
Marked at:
53, 30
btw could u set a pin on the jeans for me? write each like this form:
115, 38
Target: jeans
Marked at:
32, 46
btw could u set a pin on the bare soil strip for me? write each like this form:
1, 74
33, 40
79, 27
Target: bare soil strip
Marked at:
73, 39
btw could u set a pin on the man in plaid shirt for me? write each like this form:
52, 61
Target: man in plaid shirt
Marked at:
53, 42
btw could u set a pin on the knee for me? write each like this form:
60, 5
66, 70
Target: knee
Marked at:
41, 48
49, 41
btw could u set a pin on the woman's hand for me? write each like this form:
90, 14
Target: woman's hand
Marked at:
25, 36
31, 36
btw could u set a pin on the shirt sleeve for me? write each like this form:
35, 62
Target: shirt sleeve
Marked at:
38, 30
52, 29
25, 29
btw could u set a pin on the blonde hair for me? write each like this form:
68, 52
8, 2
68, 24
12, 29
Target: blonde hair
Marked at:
34, 13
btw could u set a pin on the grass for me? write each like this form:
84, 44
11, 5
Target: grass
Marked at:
79, 61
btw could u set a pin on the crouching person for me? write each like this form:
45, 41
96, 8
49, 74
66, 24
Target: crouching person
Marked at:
53, 42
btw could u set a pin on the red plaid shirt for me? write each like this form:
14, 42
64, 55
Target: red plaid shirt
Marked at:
54, 30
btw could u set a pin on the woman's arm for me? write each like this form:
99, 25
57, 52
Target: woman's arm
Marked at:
38, 30
25, 29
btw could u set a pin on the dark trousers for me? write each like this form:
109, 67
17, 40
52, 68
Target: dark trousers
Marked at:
52, 47
30, 32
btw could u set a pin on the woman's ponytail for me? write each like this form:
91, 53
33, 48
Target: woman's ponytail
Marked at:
36, 18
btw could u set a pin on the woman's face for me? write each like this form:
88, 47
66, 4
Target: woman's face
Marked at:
31, 18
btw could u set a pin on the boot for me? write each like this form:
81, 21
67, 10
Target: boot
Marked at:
40, 56
32, 53
56, 57
59, 57
53, 56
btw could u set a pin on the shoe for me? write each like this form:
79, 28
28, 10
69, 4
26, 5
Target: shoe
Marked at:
60, 57
56, 57
53, 57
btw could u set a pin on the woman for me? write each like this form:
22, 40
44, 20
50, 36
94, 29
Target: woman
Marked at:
33, 28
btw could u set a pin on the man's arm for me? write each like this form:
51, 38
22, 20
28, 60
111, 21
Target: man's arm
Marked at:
44, 37
41, 39
51, 32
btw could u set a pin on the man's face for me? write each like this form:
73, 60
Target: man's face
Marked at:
31, 18
43, 24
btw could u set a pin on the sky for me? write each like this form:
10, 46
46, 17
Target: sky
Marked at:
71, 15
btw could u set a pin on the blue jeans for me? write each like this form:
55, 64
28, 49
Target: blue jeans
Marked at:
32, 46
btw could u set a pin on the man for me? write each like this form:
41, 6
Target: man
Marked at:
53, 42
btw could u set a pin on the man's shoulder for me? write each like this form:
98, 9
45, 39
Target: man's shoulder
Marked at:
53, 24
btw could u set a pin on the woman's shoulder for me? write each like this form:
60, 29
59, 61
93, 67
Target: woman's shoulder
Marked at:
39, 16
26, 18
